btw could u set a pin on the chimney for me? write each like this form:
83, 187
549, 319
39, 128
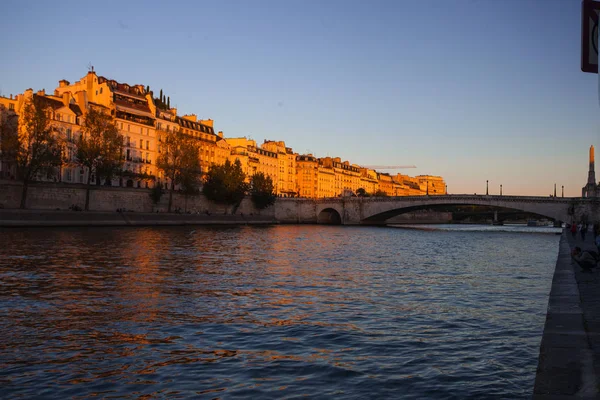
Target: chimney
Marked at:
11, 96
207, 122
41, 92
82, 100
191, 117
220, 134
63, 83
65, 98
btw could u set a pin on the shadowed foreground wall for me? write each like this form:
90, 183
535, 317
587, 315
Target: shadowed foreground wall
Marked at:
50, 196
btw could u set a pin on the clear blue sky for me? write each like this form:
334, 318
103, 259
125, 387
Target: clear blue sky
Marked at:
472, 90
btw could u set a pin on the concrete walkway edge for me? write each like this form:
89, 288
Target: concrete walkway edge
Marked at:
566, 360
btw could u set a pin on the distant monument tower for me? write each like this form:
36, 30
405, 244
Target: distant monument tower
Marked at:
590, 189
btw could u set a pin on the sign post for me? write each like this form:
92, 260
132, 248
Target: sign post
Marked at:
589, 36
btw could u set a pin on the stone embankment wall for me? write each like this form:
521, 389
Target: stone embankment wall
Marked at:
52, 196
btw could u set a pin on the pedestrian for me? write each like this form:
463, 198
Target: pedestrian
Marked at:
583, 231
574, 229
585, 259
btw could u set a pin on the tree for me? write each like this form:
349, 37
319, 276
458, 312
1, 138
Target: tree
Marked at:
225, 184
9, 125
262, 193
100, 148
180, 162
169, 102
156, 193
361, 192
35, 148
380, 193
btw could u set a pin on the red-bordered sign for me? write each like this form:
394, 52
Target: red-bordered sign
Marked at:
589, 35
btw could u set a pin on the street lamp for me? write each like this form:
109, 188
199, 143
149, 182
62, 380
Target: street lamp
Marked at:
500, 189
446, 188
563, 191
555, 190
486, 188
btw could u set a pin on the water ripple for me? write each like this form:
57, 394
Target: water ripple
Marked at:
271, 312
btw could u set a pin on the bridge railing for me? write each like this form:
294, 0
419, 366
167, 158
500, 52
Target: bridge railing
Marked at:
453, 197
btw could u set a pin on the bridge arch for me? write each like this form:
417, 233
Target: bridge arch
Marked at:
329, 216
501, 212
377, 211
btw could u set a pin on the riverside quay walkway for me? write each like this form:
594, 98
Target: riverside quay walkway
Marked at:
569, 360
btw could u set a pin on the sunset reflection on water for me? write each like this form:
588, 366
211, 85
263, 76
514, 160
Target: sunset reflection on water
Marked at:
271, 312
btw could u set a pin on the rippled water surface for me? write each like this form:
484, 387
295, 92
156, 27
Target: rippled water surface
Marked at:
272, 312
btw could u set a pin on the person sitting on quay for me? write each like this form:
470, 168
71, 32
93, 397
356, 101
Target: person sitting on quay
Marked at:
586, 259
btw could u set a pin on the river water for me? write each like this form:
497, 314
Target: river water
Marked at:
273, 312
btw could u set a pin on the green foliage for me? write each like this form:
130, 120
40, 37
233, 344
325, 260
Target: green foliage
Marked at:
100, 148
380, 193
262, 191
361, 192
225, 183
156, 193
36, 149
180, 163
9, 136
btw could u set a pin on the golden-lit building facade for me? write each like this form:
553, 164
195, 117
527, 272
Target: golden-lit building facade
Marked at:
386, 184
287, 185
132, 107
222, 150
346, 176
255, 159
65, 118
325, 182
307, 167
432, 185
204, 134
166, 124
144, 121
368, 180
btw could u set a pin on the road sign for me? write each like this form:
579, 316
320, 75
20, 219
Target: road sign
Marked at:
589, 35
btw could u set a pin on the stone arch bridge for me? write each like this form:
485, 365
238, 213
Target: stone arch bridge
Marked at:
377, 210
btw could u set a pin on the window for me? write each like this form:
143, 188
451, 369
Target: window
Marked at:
148, 157
11, 106
100, 90
147, 145
128, 128
68, 175
141, 144
68, 134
